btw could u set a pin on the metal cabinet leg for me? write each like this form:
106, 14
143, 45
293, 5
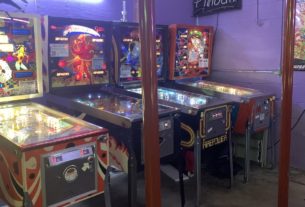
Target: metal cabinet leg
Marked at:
247, 152
271, 138
231, 159
197, 149
27, 202
132, 181
264, 148
181, 181
107, 187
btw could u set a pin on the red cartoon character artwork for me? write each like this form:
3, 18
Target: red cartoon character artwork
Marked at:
82, 50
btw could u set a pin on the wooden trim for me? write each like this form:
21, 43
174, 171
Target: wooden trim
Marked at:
150, 106
287, 81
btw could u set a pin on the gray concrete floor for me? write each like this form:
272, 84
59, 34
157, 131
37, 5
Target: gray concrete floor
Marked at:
261, 191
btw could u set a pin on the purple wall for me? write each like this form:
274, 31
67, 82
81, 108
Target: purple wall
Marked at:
104, 10
247, 52
174, 11
167, 12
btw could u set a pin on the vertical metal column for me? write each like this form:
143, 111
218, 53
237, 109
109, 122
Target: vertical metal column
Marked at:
247, 151
231, 163
264, 147
197, 149
107, 187
287, 81
150, 99
132, 178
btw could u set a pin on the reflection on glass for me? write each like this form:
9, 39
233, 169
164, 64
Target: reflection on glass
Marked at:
116, 104
178, 97
31, 124
221, 88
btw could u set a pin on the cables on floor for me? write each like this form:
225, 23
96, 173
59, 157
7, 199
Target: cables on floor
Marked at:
292, 128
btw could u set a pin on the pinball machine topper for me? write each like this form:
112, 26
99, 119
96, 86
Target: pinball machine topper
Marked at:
77, 52
128, 51
190, 51
20, 64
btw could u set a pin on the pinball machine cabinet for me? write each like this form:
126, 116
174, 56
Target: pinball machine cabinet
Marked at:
126, 46
87, 91
41, 147
46, 155
200, 116
190, 58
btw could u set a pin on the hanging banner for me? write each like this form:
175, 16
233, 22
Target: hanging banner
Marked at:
299, 44
207, 7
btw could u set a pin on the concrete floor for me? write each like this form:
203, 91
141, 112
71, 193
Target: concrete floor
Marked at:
261, 191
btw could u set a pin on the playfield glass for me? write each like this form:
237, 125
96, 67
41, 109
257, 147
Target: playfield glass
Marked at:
191, 52
30, 123
222, 88
121, 105
179, 97
130, 51
77, 52
19, 65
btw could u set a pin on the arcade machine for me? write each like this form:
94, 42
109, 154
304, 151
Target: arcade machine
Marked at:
47, 158
190, 58
201, 116
78, 68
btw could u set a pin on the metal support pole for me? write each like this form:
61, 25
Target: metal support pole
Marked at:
107, 187
264, 149
132, 180
231, 158
272, 141
287, 81
150, 100
247, 151
197, 149
181, 181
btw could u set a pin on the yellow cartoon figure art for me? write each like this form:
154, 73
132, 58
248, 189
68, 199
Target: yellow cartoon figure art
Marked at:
21, 56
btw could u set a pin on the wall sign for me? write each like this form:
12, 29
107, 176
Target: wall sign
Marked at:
207, 7
299, 44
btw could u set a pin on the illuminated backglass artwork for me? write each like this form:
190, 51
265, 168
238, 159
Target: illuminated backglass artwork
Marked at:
129, 50
77, 54
19, 65
190, 53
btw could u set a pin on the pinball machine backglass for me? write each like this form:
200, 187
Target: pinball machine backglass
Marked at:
191, 51
77, 52
20, 74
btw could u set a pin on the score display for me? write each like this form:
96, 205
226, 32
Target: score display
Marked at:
19, 62
127, 40
190, 54
77, 52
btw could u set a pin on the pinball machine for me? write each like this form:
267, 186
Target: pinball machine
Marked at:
203, 117
252, 111
47, 158
79, 84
